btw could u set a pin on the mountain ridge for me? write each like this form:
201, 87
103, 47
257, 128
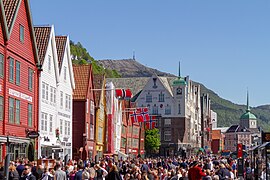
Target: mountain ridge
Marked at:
228, 113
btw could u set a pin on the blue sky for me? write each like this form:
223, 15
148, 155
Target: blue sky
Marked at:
223, 44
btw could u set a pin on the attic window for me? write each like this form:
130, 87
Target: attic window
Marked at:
21, 33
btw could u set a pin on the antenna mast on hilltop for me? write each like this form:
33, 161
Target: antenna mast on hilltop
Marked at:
133, 55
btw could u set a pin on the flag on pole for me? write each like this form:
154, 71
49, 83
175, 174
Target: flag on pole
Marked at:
136, 116
145, 114
151, 124
123, 93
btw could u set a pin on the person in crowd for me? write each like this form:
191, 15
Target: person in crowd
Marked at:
27, 174
195, 172
59, 173
113, 173
13, 173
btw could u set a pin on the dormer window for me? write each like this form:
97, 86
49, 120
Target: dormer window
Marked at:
148, 97
161, 97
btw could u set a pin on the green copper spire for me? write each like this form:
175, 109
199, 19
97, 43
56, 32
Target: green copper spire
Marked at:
179, 72
248, 109
179, 81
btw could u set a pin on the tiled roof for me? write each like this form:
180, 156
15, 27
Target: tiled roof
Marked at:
10, 7
81, 75
60, 46
98, 82
42, 38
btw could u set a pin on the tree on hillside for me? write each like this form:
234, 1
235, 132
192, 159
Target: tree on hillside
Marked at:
152, 141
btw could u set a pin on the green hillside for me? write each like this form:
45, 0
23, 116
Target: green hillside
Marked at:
80, 55
229, 113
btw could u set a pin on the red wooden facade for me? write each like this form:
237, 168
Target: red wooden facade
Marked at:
18, 80
83, 118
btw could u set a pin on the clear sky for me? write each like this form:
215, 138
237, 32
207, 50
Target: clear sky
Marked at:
223, 44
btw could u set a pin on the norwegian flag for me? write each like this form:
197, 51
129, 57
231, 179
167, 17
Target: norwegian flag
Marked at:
123, 93
136, 116
151, 124
144, 113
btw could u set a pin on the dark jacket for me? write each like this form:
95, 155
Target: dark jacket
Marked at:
30, 177
78, 175
113, 175
13, 175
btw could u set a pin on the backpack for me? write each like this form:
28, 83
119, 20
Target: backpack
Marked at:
85, 174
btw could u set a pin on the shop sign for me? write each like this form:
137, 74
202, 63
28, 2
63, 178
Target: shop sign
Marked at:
32, 134
68, 144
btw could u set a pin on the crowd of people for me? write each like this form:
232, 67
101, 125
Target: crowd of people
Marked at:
193, 168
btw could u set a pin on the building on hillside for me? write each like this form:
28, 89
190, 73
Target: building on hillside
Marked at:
83, 132
214, 119
100, 101
237, 134
19, 71
48, 98
249, 121
206, 122
65, 89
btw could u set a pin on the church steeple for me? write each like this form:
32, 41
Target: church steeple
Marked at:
179, 81
248, 109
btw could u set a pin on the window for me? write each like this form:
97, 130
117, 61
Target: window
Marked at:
18, 73
45, 91
51, 123
1, 108
1, 65
66, 127
30, 79
167, 109
52, 94
161, 97
87, 130
92, 108
148, 97
65, 73
167, 122
179, 109
87, 105
11, 70
91, 131
61, 126
21, 33
68, 102
61, 99
11, 110
44, 117
135, 143
30, 115
18, 111
167, 135
155, 109
100, 131
49, 63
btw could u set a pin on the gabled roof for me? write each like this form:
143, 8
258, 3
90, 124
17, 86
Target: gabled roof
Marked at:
61, 46
237, 128
166, 83
10, 7
82, 76
42, 38
98, 80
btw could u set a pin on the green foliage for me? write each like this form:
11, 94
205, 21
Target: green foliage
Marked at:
152, 141
80, 55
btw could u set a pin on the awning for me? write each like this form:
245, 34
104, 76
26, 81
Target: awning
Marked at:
254, 148
264, 145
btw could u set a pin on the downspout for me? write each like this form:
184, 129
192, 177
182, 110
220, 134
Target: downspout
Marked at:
5, 92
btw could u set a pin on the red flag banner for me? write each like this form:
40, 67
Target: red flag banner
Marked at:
123, 93
151, 124
239, 150
136, 116
145, 114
